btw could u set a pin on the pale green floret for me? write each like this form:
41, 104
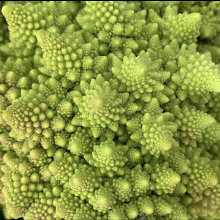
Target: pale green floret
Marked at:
164, 179
81, 142
145, 205
185, 28
103, 199
108, 157
100, 107
117, 213
84, 181
141, 75
161, 207
197, 75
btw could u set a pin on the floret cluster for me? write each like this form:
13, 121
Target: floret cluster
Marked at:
110, 110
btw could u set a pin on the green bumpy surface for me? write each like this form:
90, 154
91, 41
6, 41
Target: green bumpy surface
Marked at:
110, 110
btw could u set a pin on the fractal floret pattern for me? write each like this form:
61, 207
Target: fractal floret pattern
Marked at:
110, 110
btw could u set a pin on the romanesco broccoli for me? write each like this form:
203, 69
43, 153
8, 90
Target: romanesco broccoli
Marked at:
110, 110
